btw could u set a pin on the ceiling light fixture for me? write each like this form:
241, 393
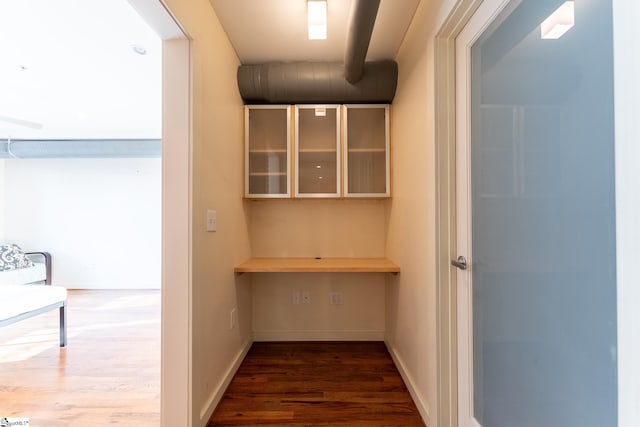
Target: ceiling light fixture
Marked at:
559, 22
140, 50
317, 19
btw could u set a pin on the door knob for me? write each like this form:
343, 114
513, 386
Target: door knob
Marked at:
460, 263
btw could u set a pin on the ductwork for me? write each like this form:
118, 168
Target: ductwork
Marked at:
355, 81
316, 82
361, 22
81, 148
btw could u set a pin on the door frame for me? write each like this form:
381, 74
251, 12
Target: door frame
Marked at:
627, 131
176, 341
445, 133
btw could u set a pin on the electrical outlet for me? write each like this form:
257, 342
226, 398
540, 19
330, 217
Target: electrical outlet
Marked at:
336, 298
306, 298
295, 297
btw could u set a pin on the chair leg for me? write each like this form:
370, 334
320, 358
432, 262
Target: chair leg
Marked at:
63, 325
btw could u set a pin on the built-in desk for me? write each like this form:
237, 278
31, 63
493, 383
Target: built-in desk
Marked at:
317, 265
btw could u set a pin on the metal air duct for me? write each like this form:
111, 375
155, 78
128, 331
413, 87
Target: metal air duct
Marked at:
361, 22
316, 82
355, 81
79, 148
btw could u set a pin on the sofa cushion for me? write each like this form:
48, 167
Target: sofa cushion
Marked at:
22, 299
12, 258
37, 273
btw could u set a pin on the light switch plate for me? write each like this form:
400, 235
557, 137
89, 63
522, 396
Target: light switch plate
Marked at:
212, 221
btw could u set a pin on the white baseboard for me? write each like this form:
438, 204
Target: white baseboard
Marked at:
318, 335
418, 399
83, 286
218, 392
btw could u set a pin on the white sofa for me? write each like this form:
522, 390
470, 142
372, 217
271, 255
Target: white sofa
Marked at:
27, 291
37, 273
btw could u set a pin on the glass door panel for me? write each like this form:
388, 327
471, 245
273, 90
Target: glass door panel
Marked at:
267, 151
367, 151
543, 231
317, 151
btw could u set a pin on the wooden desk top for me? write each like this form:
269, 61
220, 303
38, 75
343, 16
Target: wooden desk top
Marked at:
314, 265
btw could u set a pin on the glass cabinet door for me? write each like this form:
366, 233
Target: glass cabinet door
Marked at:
267, 157
317, 153
366, 151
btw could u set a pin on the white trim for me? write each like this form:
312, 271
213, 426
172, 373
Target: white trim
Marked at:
627, 155
218, 392
176, 341
417, 397
318, 335
455, 16
159, 18
475, 27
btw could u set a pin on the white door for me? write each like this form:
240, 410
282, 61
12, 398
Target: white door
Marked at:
536, 215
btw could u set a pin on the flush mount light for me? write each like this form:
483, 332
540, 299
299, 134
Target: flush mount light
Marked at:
140, 50
559, 22
317, 19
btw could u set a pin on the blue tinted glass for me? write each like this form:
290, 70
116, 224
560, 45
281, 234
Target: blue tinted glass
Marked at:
544, 285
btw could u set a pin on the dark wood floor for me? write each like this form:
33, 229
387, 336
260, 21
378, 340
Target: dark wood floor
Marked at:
311, 384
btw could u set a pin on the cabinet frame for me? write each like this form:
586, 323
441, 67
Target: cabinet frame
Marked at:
345, 153
248, 151
338, 150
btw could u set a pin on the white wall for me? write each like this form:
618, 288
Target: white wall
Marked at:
217, 183
411, 308
318, 228
99, 218
2, 185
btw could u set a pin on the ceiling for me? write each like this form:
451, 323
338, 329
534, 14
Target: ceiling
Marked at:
276, 30
68, 69
69, 66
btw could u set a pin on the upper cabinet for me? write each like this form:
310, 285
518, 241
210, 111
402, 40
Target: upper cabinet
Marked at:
336, 151
267, 151
366, 151
317, 151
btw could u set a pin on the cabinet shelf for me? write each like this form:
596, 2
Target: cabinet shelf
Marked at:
317, 150
268, 151
367, 150
317, 265
267, 174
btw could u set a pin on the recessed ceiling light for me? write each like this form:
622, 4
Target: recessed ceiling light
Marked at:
140, 50
317, 19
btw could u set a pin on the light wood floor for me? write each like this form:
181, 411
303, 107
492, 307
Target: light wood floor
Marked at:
109, 374
317, 384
